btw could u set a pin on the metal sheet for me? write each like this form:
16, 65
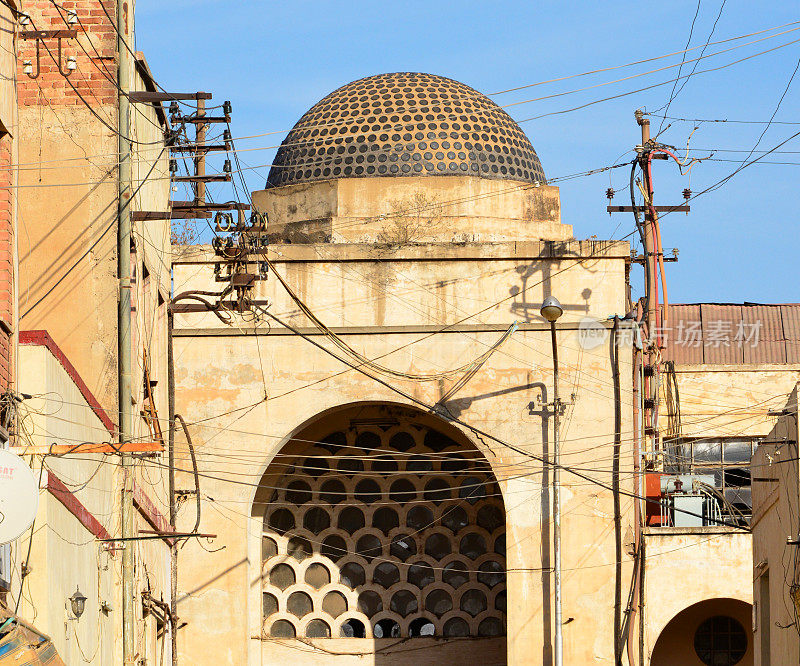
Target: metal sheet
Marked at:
688, 510
790, 314
720, 323
732, 334
792, 351
766, 351
765, 319
684, 340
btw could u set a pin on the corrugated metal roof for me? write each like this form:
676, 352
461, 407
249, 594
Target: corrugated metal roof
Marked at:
719, 328
790, 314
733, 333
683, 334
767, 321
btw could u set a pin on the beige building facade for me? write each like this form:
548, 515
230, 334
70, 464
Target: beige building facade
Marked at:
67, 383
70, 548
731, 368
374, 430
300, 402
776, 489
374, 437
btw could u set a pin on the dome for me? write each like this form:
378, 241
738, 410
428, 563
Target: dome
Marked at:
405, 124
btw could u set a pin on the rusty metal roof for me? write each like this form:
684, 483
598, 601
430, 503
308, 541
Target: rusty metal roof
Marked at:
732, 333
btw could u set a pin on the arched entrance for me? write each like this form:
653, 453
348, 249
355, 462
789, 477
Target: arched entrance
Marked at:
714, 632
383, 523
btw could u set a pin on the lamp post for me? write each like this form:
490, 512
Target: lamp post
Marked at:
551, 310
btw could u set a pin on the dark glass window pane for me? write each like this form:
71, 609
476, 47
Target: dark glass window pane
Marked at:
707, 451
737, 451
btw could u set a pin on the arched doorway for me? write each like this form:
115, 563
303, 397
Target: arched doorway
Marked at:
714, 632
382, 523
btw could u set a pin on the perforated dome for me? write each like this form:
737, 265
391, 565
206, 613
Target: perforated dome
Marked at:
405, 124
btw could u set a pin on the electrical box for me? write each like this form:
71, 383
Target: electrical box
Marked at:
652, 491
688, 510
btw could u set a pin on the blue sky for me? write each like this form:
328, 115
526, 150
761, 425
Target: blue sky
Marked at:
739, 243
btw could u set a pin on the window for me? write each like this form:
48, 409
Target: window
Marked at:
720, 641
726, 461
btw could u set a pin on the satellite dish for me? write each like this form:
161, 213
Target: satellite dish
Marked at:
19, 496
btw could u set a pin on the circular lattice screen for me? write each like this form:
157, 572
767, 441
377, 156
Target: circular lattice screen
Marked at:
405, 124
384, 532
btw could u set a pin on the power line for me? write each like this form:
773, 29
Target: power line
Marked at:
657, 85
400, 126
720, 120
675, 93
652, 71
227, 454
477, 431
84, 101
741, 167
774, 113
111, 78
639, 62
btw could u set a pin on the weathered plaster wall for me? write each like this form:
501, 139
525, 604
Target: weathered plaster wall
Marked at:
68, 198
776, 499
731, 400
445, 208
64, 554
68, 256
685, 566
68, 201
222, 375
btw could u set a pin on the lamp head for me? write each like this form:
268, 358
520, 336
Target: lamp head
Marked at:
551, 309
78, 602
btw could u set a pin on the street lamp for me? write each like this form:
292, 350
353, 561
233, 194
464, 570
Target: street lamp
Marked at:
551, 310
78, 603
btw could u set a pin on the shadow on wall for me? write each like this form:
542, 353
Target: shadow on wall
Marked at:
714, 631
532, 275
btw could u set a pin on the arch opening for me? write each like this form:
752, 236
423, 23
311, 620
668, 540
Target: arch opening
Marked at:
379, 521
713, 632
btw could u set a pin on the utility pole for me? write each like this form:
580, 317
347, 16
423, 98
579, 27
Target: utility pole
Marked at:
124, 27
649, 246
653, 315
173, 515
200, 155
651, 262
551, 310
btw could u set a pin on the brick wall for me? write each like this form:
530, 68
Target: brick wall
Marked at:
96, 37
6, 263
